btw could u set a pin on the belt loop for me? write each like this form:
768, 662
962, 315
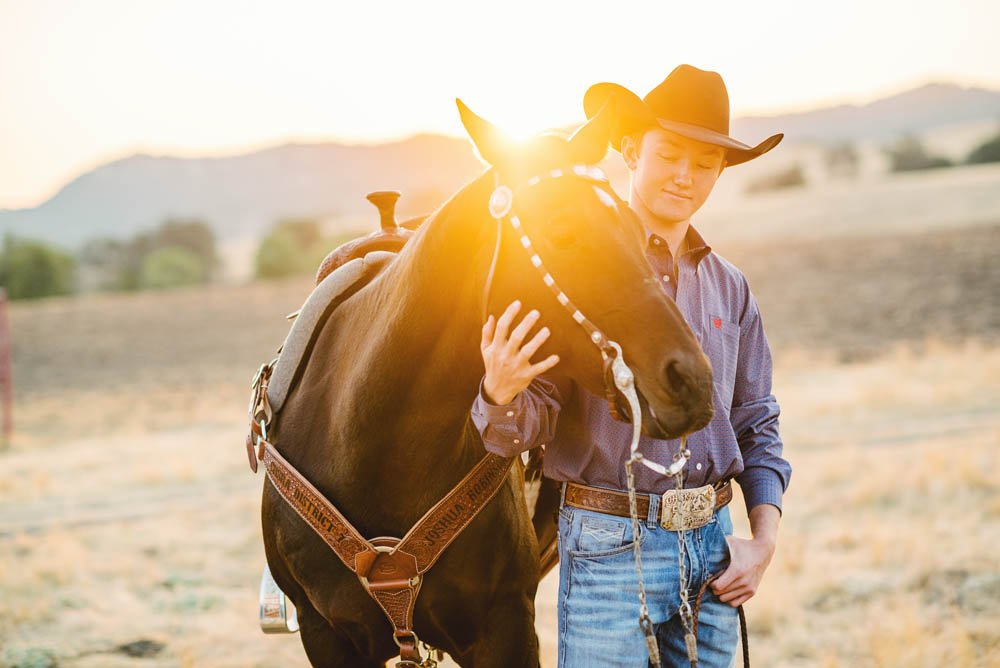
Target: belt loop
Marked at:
562, 494
653, 515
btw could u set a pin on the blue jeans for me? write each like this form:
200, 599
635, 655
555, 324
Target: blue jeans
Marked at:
599, 590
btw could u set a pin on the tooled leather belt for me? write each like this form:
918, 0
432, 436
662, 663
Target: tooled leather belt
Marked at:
616, 503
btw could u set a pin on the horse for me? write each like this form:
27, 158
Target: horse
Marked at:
378, 417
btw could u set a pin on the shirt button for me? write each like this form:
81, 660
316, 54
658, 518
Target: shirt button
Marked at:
510, 413
666, 278
656, 241
698, 466
517, 441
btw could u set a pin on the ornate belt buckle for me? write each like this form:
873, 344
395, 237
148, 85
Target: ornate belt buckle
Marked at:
684, 509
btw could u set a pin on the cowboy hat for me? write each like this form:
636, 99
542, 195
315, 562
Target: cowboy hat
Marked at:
690, 102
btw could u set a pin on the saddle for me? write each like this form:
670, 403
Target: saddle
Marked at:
390, 568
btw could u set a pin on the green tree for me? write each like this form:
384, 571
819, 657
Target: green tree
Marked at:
194, 235
31, 269
128, 259
304, 231
792, 177
278, 255
293, 246
907, 154
988, 151
842, 160
171, 267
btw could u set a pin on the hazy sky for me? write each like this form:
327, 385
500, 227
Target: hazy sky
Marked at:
86, 82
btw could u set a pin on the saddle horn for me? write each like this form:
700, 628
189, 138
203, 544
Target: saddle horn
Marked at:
386, 200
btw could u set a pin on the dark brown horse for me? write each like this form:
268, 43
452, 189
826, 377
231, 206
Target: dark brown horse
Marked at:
378, 419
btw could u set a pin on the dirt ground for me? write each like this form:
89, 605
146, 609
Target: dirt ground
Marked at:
129, 533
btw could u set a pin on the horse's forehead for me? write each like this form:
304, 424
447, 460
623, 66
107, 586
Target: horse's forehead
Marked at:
541, 154
550, 144
571, 189
601, 189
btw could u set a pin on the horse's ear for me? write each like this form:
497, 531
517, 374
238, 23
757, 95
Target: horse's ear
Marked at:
589, 144
489, 140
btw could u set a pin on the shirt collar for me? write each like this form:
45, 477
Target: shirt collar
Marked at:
698, 248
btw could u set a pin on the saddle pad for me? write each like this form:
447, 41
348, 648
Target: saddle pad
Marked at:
343, 279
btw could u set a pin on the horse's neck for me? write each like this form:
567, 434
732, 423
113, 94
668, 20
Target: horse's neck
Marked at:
421, 363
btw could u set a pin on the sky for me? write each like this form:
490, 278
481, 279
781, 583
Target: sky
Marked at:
84, 83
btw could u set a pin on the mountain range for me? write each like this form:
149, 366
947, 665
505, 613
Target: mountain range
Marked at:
240, 196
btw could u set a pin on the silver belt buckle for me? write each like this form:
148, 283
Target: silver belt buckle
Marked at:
684, 509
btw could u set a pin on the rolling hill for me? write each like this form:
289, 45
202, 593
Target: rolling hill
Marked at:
240, 196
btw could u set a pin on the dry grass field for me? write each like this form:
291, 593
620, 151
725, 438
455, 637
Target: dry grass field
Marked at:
129, 533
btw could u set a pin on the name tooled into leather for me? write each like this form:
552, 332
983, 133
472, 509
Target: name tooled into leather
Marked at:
446, 521
311, 509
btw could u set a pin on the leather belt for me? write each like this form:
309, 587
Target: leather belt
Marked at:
614, 502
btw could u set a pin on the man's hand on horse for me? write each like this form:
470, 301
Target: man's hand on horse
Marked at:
748, 559
508, 363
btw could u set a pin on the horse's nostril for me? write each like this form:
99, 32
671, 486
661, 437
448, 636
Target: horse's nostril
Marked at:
675, 380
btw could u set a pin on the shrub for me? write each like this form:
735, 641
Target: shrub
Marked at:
294, 247
119, 265
989, 151
908, 155
842, 160
792, 177
32, 269
171, 267
278, 255
305, 232
194, 235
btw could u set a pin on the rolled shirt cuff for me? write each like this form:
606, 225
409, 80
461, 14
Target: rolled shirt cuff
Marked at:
499, 424
761, 485
497, 413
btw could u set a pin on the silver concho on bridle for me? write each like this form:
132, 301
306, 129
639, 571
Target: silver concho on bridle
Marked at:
501, 205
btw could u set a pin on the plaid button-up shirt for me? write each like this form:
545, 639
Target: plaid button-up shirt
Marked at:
742, 439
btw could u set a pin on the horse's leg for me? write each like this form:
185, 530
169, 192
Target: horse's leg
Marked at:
508, 637
325, 646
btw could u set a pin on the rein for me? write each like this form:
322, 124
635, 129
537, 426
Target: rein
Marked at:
618, 378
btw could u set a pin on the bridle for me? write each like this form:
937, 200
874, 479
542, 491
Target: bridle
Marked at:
618, 377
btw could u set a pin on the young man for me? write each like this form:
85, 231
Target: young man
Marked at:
675, 143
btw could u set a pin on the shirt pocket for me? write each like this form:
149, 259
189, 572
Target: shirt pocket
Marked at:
723, 348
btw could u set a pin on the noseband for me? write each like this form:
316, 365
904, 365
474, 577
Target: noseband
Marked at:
618, 377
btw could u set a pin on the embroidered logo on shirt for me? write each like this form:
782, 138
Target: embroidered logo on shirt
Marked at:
717, 323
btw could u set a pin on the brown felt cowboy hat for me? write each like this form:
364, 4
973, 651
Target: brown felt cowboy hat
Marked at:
690, 102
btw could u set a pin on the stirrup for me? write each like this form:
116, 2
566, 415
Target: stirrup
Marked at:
277, 614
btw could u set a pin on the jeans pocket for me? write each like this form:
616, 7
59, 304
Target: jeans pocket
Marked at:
603, 536
717, 552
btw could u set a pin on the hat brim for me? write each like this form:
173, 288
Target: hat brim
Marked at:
632, 115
